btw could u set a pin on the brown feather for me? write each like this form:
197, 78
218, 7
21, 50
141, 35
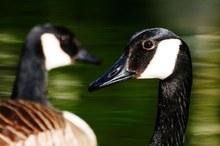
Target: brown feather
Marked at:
27, 123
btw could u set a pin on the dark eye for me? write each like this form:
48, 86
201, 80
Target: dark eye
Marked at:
64, 37
148, 44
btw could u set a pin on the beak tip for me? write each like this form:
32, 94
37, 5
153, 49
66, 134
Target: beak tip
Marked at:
91, 88
94, 86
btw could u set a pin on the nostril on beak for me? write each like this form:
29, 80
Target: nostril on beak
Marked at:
114, 72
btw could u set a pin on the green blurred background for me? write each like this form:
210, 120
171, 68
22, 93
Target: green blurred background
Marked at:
123, 114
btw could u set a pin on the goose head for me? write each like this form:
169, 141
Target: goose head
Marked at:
158, 53
46, 47
150, 53
59, 46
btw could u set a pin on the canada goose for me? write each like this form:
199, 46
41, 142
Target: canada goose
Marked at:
29, 119
158, 53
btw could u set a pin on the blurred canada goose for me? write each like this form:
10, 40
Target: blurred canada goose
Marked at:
28, 119
158, 53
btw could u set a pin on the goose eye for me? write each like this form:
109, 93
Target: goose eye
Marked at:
64, 37
148, 45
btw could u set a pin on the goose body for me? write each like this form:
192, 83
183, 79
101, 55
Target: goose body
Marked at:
28, 123
158, 53
29, 119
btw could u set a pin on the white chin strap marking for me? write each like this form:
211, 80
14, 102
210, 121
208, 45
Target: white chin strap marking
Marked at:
53, 52
164, 60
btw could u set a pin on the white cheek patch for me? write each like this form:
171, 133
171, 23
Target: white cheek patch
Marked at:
164, 60
53, 52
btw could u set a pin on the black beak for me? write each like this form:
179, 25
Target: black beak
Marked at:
84, 56
118, 72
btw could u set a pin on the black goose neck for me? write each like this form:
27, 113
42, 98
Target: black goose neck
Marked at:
30, 83
173, 103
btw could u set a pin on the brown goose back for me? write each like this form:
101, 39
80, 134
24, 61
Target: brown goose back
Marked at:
24, 123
